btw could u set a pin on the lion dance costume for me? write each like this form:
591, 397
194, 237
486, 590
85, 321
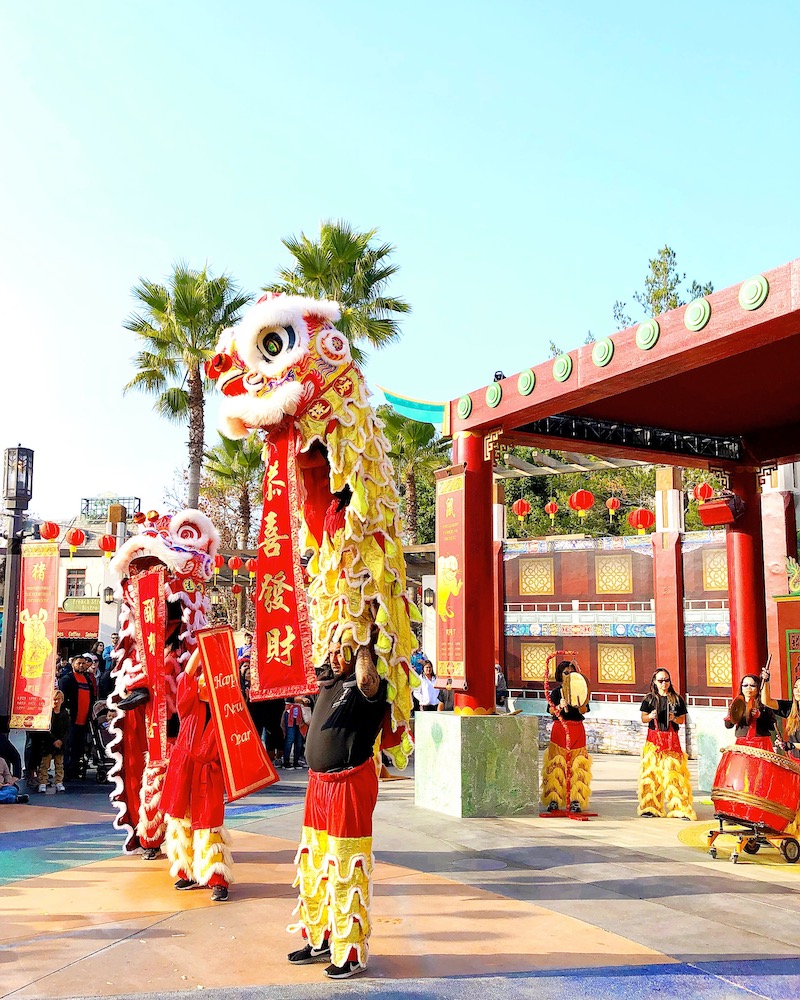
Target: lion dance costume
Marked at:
163, 572
287, 370
566, 767
665, 786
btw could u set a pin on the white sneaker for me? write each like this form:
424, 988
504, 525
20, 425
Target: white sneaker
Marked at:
42, 788
60, 787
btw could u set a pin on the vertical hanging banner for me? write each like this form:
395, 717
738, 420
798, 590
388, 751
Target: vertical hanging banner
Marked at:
281, 664
150, 614
450, 617
245, 765
37, 628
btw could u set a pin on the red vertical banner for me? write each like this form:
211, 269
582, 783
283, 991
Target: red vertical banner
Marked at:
281, 665
245, 765
450, 616
150, 613
37, 629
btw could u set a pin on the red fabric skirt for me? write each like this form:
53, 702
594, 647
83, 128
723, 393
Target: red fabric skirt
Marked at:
575, 730
668, 742
762, 742
342, 802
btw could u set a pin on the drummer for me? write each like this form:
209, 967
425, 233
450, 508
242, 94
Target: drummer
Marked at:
567, 741
792, 728
754, 713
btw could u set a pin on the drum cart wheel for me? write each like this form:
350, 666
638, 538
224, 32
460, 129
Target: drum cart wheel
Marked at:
712, 851
751, 846
790, 849
734, 857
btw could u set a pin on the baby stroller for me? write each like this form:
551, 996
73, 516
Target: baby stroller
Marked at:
98, 739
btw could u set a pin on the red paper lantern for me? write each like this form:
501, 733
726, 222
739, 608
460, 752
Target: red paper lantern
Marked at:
49, 531
235, 564
551, 509
641, 519
521, 508
236, 589
74, 537
152, 515
582, 501
108, 544
613, 504
251, 565
219, 562
703, 492
139, 518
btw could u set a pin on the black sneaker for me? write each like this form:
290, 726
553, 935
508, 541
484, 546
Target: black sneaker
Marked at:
23, 798
553, 807
140, 696
185, 883
345, 971
309, 955
219, 893
574, 807
151, 853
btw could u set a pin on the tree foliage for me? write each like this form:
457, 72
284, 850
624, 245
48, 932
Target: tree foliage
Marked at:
417, 452
662, 289
237, 468
353, 269
179, 322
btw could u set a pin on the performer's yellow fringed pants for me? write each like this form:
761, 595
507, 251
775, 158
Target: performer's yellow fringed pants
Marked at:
202, 856
665, 788
334, 862
554, 766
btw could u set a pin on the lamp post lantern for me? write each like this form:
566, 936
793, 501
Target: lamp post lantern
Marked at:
17, 493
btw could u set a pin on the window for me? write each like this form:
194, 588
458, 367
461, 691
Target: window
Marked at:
76, 582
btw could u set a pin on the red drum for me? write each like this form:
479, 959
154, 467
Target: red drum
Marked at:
757, 786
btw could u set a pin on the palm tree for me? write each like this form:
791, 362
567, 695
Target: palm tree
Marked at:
238, 466
416, 452
179, 323
345, 265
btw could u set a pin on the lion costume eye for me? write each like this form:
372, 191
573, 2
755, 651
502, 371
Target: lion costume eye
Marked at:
272, 343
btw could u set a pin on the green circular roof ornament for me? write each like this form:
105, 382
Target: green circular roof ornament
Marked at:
562, 368
526, 382
697, 315
603, 352
494, 393
647, 335
464, 407
754, 292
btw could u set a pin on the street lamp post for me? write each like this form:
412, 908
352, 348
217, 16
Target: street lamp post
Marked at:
17, 493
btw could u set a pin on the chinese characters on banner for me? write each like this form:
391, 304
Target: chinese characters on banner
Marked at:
450, 531
37, 628
245, 765
281, 666
149, 612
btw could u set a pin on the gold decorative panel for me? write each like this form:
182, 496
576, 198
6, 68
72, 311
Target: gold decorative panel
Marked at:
614, 573
534, 659
616, 664
719, 672
536, 576
715, 569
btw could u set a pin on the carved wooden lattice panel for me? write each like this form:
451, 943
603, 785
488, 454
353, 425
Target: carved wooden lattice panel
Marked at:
719, 672
614, 573
536, 577
616, 664
534, 659
715, 569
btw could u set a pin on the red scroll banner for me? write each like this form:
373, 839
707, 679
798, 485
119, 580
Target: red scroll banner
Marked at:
37, 625
150, 612
281, 666
450, 535
245, 765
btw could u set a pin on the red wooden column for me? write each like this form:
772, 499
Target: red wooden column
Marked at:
668, 593
779, 527
746, 581
478, 587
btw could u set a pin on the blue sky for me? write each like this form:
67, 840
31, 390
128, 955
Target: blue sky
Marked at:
526, 159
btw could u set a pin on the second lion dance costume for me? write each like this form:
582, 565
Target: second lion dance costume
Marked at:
665, 786
286, 370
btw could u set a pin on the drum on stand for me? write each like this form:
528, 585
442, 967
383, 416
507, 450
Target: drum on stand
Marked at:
756, 786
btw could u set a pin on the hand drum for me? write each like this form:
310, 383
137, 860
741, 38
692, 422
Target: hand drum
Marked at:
575, 690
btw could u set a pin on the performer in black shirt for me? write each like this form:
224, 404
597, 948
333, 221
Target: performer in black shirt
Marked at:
567, 748
334, 860
665, 788
754, 713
